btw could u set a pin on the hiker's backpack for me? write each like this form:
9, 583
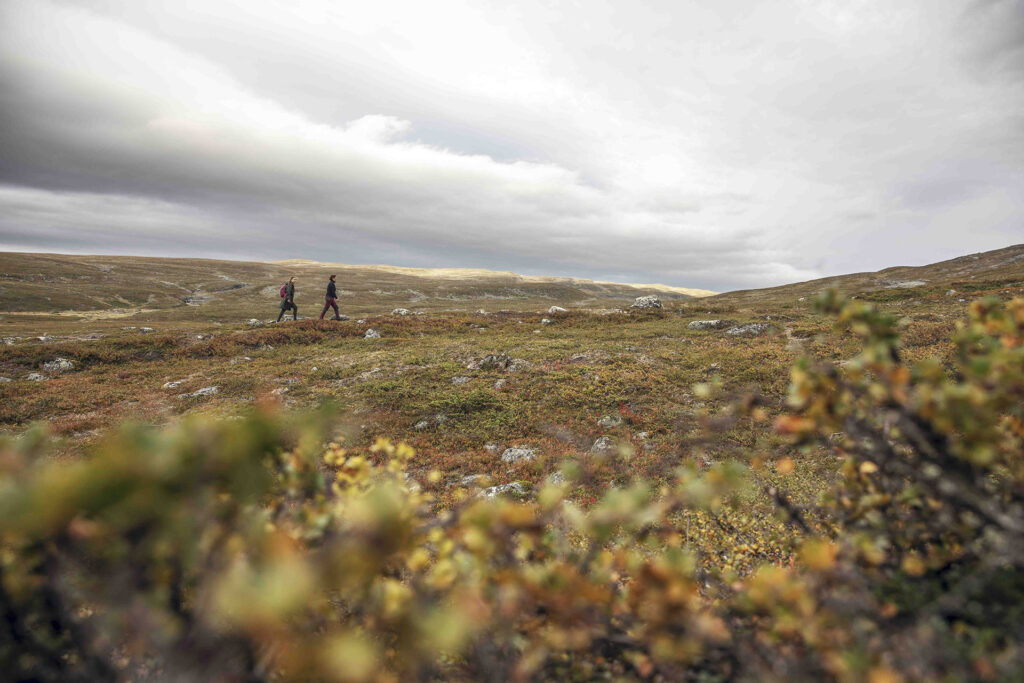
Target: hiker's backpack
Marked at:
284, 290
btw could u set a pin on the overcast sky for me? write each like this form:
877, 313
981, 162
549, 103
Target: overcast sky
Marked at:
722, 145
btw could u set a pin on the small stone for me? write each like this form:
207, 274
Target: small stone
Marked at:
401, 311
545, 321
650, 301
341, 318
603, 446
266, 347
172, 385
513, 490
951, 292
803, 298
518, 454
4, 380
749, 330
35, 377
205, 391
481, 311
557, 309
146, 330
492, 447
280, 391
500, 384
610, 421
372, 334
458, 381
421, 425
254, 322
59, 366
472, 481
557, 478
361, 321
709, 324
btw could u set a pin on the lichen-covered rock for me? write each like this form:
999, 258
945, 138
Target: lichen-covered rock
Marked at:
514, 490
610, 421
59, 366
750, 330
709, 324
372, 334
497, 362
205, 391
172, 385
401, 311
35, 377
518, 454
603, 446
254, 322
557, 309
458, 381
650, 301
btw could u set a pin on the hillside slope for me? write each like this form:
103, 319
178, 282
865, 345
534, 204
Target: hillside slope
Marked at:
106, 287
971, 273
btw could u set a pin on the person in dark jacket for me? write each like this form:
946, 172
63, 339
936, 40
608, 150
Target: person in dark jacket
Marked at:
289, 301
332, 300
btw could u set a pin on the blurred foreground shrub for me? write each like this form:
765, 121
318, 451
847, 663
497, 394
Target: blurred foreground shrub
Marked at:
254, 550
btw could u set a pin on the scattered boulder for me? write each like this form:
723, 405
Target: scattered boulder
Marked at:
500, 384
649, 301
205, 391
497, 362
254, 322
458, 381
372, 334
59, 366
514, 490
610, 421
750, 330
545, 321
173, 385
361, 321
603, 446
472, 481
557, 309
401, 311
557, 478
518, 454
709, 324
146, 330
35, 377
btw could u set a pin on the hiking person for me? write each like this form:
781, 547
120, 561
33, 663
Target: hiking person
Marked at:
288, 299
332, 300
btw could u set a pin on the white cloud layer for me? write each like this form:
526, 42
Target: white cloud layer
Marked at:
719, 145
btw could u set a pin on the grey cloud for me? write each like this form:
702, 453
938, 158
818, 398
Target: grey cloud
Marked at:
714, 146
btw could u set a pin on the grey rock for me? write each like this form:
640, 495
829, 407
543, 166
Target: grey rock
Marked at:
603, 446
513, 490
471, 481
372, 334
545, 321
492, 447
361, 321
59, 366
610, 421
750, 330
649, 301
709, 324
518, 454
557, 309
4, 380
905, 284
401, 311
481, 311
500, 384
951, 292
557, 478
497, 362
266, 347
35, 377
254, 322
458, 381
146, 330
205, 391
280, 391
341, 317
421, 425
172, 385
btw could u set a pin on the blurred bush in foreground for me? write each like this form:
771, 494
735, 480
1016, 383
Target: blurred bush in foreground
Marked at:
254, 550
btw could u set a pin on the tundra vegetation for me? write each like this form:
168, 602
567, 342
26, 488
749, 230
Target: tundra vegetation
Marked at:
838, 497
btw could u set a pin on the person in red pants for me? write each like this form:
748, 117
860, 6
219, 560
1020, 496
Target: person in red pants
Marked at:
332, 300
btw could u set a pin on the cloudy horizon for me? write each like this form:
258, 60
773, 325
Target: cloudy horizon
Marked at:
720, 147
